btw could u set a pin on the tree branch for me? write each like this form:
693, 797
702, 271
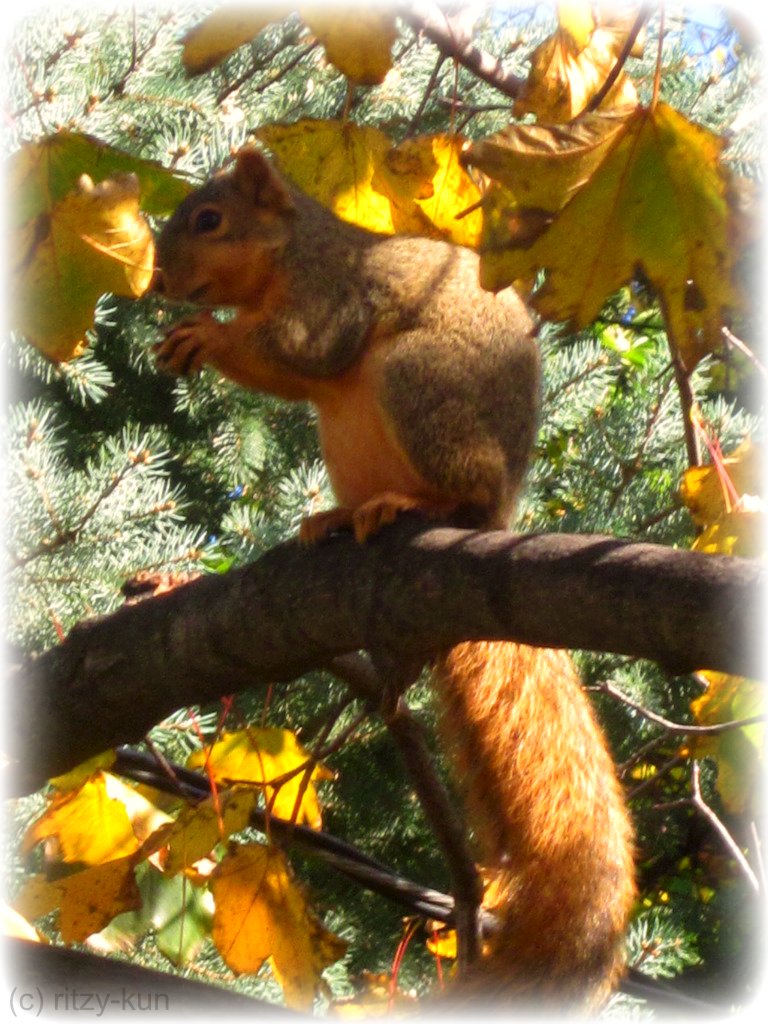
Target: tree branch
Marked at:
453, 41
406, 594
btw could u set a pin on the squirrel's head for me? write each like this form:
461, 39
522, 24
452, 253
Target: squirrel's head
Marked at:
224, 241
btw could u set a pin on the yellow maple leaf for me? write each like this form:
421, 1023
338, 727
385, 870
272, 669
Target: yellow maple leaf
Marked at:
335, 164
261, 914
661, 195
357, 40
375, 996
223, 31
87, 900
91, 242
725, 499
262, 756
199, 827
91, 824
569, 68
429, 187
738, 752
443, 943
75, 778
577, 18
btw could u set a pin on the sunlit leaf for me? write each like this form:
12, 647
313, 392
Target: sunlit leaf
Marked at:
75, 778
223, 31
738, 752
430, 188
357, 40
725, 499
335, 164
261, 914
262, 756
569, 68
658, 203
91, 242
86, 900
91, 824
200, 827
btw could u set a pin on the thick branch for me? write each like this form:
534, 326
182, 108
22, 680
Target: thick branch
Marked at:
405, 594
453, 41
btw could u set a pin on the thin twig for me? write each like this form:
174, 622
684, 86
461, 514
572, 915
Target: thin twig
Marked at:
730, 843
687, 402
680, 728
448, 828
657, 73
412, 127
667, 767
745, 350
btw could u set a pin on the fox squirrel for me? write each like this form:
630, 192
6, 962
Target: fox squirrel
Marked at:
426, 391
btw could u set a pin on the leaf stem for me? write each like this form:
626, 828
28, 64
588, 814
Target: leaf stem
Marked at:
657, 73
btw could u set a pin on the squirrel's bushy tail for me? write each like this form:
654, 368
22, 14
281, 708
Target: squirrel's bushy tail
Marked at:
549, 818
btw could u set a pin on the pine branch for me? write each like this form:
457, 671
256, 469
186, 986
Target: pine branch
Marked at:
407, 594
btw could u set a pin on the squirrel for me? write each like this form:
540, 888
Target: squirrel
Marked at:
426, 392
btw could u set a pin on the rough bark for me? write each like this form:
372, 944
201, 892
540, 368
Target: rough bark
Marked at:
402, 596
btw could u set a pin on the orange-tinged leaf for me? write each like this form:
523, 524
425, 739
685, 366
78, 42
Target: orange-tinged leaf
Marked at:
723, 498
567, 71
75, 778
425, 177
335, 164
658, 201
91, 826
91, 242
738, 752
357, 40
576, 18
261, 914
543, 166
262, 756
87, 900
374, 998
224, 31
200, 827
443, 943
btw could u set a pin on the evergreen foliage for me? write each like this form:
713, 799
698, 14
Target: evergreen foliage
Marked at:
115, 469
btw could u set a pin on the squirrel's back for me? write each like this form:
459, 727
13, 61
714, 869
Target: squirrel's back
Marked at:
426, 389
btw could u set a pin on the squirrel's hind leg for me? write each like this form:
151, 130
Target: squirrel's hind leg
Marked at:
369, 517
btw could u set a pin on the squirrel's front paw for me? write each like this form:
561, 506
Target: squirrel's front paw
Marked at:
188, 345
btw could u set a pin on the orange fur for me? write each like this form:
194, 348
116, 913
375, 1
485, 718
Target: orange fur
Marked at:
426, 392
549, 817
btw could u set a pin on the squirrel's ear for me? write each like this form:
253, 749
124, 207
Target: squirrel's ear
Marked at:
255, 176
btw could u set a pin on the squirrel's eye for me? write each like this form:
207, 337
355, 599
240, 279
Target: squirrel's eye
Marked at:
206, 220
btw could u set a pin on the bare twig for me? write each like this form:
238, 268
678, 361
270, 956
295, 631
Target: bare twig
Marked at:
699, 804
745, 350
447, 826
681, 728
413, 126
687, 402
657, 73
